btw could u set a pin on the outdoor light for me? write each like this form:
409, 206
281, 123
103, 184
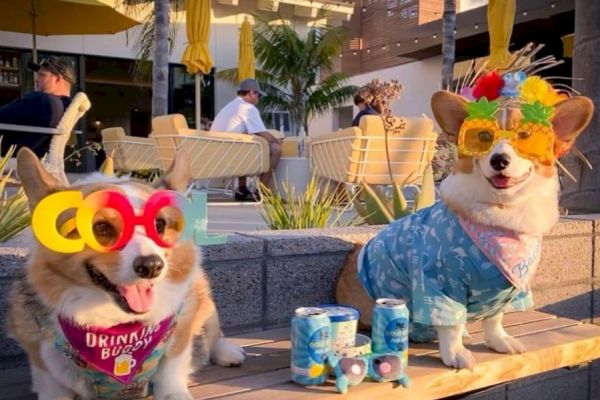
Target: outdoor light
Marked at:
354, 53
398, 44
435, 35
552, 5
525, 13
364, 9
416, 40
476, 26
368, 51
383, 47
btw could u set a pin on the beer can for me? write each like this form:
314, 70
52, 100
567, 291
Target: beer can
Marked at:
344, 324
311, 332
390, 327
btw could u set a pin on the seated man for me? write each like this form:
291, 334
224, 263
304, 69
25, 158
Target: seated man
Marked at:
364, 108
43, 108
241, 115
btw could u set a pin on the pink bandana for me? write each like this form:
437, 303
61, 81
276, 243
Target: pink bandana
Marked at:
118, 351
516, 256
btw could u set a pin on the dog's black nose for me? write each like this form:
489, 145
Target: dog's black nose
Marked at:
500, 161
148, 267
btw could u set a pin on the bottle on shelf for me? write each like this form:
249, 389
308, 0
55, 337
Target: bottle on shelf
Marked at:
1, 61
15, 63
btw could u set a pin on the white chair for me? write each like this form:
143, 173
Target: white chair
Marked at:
54, 160
213, 155
360, 154
130, 153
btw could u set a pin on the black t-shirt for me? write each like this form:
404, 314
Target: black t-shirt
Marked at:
35, 109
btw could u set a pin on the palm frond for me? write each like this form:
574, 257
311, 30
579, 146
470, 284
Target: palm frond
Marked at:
297, 72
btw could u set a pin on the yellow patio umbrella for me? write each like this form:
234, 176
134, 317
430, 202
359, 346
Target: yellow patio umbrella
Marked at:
61, 17
246, 53
501, 16
196, 57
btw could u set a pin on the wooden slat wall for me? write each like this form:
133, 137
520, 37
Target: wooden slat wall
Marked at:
377, 28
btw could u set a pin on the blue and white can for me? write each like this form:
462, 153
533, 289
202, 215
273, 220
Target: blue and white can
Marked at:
311, 335
390, 327
344, 324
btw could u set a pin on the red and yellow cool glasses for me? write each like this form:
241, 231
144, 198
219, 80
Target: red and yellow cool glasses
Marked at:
48, 210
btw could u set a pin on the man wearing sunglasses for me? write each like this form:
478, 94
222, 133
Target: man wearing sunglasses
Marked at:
241, 116
44, 107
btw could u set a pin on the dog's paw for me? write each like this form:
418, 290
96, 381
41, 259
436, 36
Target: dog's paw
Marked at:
458, 357
227, 354
505, 344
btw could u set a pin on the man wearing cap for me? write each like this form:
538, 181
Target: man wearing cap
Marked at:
44, 107
241, 116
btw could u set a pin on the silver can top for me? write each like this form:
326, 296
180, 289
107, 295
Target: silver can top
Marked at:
390, 303
310, 312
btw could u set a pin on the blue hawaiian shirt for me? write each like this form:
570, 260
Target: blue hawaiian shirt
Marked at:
428, 260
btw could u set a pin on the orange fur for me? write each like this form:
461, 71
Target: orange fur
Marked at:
39, 296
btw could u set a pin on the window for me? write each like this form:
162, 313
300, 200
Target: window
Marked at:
182, 97
279, 120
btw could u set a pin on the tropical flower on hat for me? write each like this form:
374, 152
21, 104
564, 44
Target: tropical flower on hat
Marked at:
534, 88
488, 86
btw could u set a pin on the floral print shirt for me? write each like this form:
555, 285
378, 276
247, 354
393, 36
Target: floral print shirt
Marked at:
449, 270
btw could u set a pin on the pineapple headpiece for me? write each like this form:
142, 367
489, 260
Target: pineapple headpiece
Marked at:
517, 86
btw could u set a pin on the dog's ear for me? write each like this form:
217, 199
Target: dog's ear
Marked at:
449, 110
571, 116
178, 176
36, 181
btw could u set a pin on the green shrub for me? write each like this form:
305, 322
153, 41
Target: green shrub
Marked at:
14, 209
312, 209
377, 208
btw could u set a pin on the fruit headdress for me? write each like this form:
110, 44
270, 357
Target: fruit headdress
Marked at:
516, 86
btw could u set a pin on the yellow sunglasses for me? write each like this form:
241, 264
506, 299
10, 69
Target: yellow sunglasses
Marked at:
531, 140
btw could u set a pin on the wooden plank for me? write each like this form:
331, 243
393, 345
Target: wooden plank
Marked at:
252, 366
552, 343
259, 337
230, 387
518, 330
430, 379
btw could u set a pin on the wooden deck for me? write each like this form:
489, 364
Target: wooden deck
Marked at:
551, 342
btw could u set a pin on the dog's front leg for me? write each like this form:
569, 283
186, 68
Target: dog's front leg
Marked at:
497, 339
170, 381
454, 354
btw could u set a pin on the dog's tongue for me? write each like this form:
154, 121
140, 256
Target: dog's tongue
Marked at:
139, 297
501, 181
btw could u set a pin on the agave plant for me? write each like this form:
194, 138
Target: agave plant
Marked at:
14, 209
311, 209
379, 208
